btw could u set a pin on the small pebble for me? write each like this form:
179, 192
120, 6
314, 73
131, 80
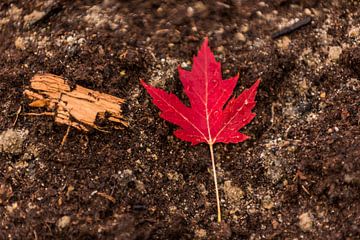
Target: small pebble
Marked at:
70, 40
190, 12
240, 37
81, 41
283, 43
220, 49
307, 11
11, 140
20, 43
233, 193
200, 7
12, 207
63, 222
244, 28
334, 52
200, 233
275, 224
219, 31
305, 222
354, 32
322, 95
267, 203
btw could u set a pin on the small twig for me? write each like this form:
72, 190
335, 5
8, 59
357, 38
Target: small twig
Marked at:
287, 132
221, 4
53, 10
292, 28
65, 137
108, 197
304, 188
17, 116
39, 114
35, 235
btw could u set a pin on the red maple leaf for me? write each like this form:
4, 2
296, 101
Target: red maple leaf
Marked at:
211, 116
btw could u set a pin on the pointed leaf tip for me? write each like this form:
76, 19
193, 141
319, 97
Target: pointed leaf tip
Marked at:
257, 83
206, 42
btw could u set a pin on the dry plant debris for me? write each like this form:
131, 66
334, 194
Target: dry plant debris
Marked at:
76, 107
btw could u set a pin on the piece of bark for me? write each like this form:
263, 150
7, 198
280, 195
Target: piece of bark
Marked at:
77, 107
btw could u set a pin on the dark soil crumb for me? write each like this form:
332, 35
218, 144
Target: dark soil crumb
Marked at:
297, 178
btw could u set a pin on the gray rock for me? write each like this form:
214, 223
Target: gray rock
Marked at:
11, 140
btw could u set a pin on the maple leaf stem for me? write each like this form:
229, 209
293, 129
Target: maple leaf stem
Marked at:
215, 181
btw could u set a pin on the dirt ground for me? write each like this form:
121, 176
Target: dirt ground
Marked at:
297, 178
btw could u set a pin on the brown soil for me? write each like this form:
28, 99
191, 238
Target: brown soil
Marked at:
297, 178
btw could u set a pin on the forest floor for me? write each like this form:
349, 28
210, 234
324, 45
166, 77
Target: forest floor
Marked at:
298, 177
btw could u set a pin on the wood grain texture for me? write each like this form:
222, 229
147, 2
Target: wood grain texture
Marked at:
78, 107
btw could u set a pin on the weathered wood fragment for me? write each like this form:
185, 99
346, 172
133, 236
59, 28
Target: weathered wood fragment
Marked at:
78, 107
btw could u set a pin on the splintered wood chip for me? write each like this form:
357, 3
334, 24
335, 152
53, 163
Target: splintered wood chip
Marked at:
76, 106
